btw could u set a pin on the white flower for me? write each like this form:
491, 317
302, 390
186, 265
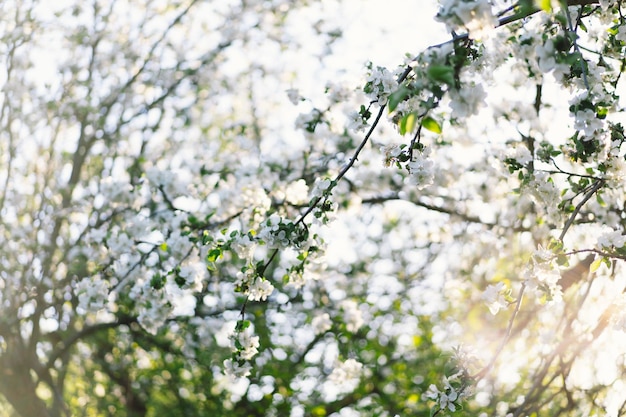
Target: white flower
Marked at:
260, 289
547, 195
392, 153
255, 197
615, 171
92, 293
381, 84
494, 297
467, 100
115, 191
244, 247
274, 232
543, 276
296, 192
153, 312
294, 95
546, 56
621, 33
605, 4
520, 154
610, 240
320, 186
347, 371
352, 316
476, 16
309, 121
543, 254
245, 344
421, 170
237, 369
587, 121
433, 392
356, 122
447, 400
618, 319
321, 323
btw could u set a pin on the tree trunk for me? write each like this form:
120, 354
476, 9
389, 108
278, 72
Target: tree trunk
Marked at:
17, 383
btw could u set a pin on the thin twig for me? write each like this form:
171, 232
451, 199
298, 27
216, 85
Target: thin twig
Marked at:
480, 375
572, 217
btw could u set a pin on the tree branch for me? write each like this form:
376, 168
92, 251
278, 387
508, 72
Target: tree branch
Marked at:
64, 346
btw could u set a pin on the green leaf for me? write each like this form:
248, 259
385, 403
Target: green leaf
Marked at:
242, 325
544, 5
214, 254
526, 7
206, 237
595, 265
397, 97
441, 74
407, 123
431, 124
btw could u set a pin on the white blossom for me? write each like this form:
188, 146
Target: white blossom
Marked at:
320, 187
154, 310
244, 247
356, 122
381, 83
321, 323
260, 289
615, 174
520, 154
587, 121
352, 316
245, 344
421, 170
494, 297
237, 369
612, 240
467, 100
475, 15
309, 121
296, 192
391, 154
346, 371
543, 277
294, 96
605, 4
92, 293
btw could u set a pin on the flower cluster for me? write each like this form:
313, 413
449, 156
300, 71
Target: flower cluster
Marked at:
547, 55
421, 169
277, 232
612, 240
380, 84
346, 371
449, 398
496, 297
542, 275
475, 16
254, 286
546, 195
244, 346
352, 316
321, 323
393, 154
467, 100
92, 293
419, 166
